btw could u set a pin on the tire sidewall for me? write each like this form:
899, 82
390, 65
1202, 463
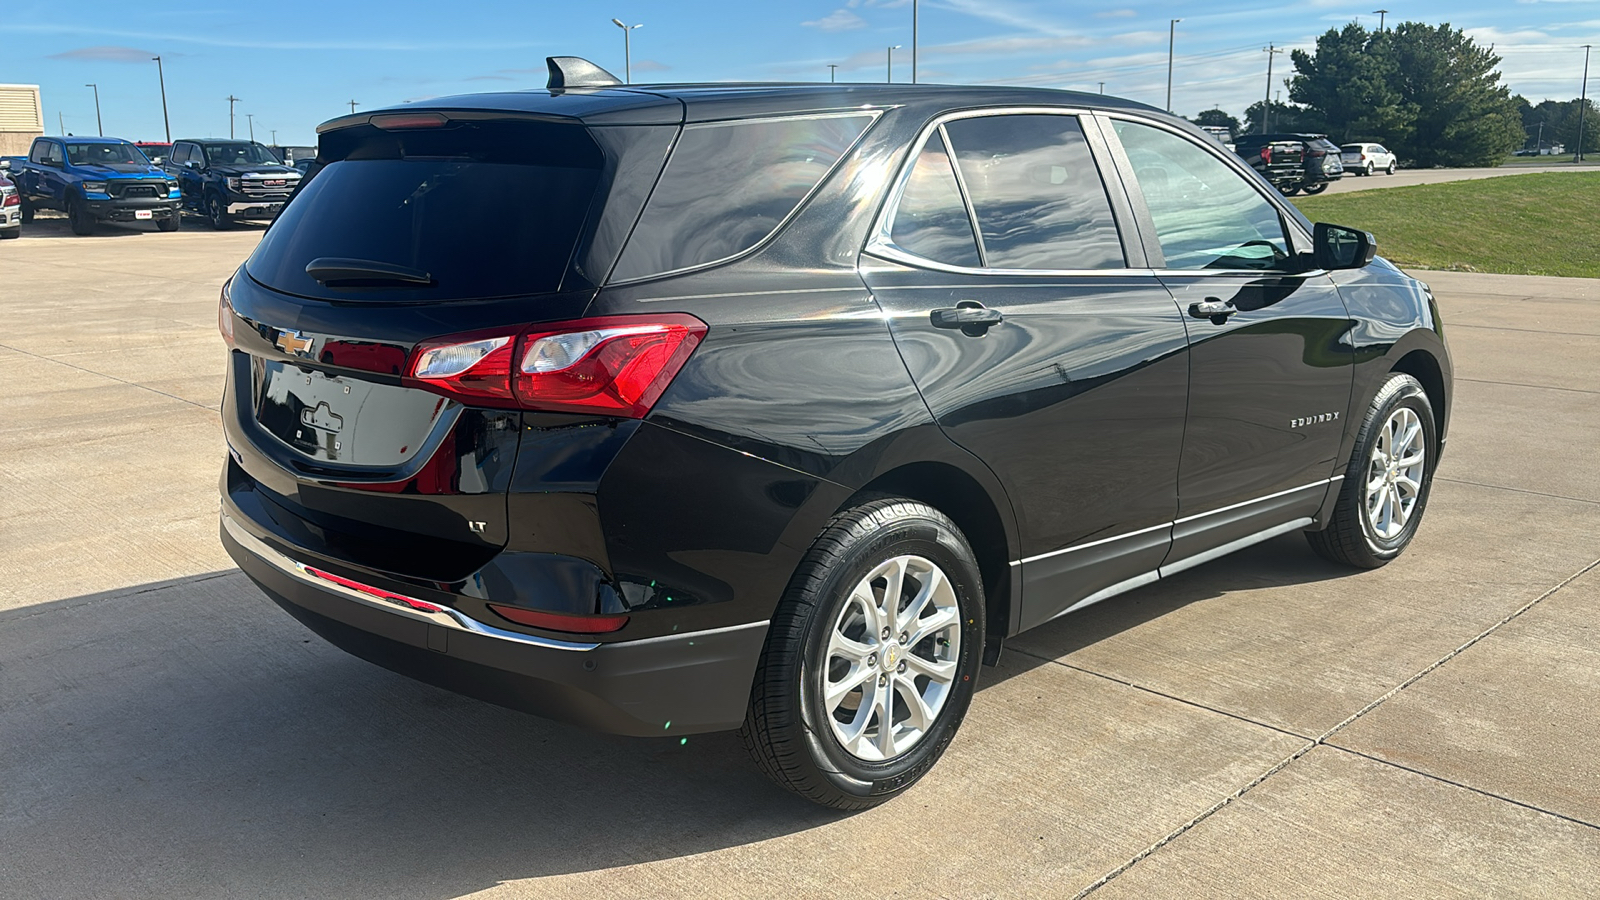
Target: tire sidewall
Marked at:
1408, 394
933, 540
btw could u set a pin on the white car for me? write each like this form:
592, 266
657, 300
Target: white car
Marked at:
1364, 159
10, 208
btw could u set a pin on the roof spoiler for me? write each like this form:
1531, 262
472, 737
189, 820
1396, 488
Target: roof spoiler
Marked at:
576, 72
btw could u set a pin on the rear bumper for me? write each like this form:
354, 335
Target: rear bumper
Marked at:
675, 684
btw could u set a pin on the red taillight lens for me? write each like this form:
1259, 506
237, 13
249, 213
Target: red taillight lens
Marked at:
1266, 155
225, 313
613, 365
12, 199
550, 621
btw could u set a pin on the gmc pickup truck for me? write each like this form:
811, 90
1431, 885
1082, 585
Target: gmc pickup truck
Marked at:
93, 180
228, 180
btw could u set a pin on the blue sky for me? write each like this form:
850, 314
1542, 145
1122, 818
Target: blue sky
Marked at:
296, 63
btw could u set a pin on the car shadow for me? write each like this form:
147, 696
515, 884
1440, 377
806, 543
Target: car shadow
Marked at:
192, 727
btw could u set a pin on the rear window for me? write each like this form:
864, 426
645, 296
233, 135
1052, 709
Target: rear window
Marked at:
483, 209
729, 185
1351, 148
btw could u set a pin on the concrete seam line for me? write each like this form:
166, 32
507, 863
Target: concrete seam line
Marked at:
1501, 487
1523, 330
112, 377
1520, 384
1149, 690
1214, 808
1466, 787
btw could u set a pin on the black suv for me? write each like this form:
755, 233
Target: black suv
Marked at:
1293, 162
678, 408
228, 181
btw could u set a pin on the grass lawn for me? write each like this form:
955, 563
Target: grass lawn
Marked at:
1540, 224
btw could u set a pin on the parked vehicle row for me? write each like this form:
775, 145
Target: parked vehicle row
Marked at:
1293, 162
10, 206
227, 181
792, 404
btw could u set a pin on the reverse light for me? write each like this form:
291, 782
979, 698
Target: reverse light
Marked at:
572, 624
613, 365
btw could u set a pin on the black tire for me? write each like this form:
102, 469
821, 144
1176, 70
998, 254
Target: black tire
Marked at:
10, 234
170, 223
1317, 188
1350, 538
217, 214
27, 211
788, 729
1368, 169
1289, 190
82, 223
1390, 170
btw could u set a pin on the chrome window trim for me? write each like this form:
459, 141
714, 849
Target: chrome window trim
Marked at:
882, 246
1175, 522
758, 246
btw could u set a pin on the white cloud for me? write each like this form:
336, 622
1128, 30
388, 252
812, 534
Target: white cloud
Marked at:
838, 20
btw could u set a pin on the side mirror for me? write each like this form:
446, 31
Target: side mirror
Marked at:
1337, 247
5, 165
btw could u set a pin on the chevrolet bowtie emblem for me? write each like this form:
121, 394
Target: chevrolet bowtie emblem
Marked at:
294, 343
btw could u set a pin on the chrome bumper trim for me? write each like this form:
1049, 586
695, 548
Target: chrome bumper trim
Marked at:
443, 617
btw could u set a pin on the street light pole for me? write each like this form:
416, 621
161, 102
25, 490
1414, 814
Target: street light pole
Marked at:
231, 101
913, 41
1172, 37
164, 120
831, 68
250, 119
890, 79
99, 125
1381, 13
627, 49
352, 107
274, 136
1583, 103
1266, 102
1102, 87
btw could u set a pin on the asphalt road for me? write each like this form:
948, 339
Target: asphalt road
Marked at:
1404, 177
1263, 725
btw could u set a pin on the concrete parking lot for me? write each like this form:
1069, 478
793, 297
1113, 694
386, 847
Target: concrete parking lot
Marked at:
1267, 725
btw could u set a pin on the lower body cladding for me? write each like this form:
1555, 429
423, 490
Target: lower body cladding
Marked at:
660, 686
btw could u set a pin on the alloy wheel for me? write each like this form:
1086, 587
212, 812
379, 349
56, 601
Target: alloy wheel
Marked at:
1394, 473
892, 658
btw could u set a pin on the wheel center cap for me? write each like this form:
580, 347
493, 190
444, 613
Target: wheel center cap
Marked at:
891, 657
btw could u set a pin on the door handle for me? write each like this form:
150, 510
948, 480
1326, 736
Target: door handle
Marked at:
1211, 308
972, 318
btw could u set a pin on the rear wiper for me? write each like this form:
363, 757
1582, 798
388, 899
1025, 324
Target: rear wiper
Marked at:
333, 272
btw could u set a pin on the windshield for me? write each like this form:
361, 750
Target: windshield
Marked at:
104, 154
239, 153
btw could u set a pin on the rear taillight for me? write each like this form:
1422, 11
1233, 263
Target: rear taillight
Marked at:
1266, 155
615, 365
12, 199
225, 313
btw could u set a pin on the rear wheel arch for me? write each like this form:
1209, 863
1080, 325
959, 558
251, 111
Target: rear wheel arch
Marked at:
975, 511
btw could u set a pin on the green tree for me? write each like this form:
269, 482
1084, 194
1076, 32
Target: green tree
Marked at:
1461, 115
1348, 84
1217, 118
1285, 118
1567, 130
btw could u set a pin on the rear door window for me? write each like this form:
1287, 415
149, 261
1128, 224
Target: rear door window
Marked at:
1036, 192
729, 185
931, 220
484, 210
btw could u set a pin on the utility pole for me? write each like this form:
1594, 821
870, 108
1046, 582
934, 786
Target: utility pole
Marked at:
890, 79
1381, 13
352, 107
250, 119
1102, 87
913, 41
1583, 103
831, 68
627, 49
164, 120
231, 101
1266, 102
62, 122
1172, 37
1538, 142
274, 136
99, 125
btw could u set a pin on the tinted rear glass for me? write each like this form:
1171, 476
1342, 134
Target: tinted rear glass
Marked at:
730, 184
484, 211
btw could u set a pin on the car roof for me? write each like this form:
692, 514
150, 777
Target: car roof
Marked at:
670, 104
88, 139
215, 141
